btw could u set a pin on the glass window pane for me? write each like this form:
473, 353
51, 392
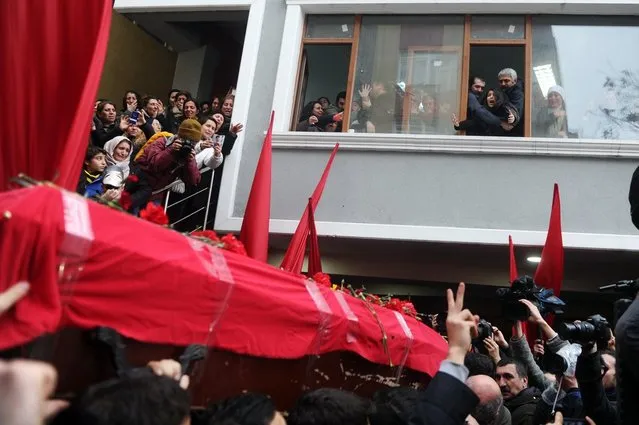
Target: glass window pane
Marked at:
329, 26
408, 74
585, 81
504, 27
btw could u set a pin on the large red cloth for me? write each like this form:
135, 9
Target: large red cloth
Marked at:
93, 266
513, 261
51, 58
294, 257
254, 232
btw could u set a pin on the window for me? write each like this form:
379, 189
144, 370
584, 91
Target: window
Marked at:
408, 74
585, 78
574, 77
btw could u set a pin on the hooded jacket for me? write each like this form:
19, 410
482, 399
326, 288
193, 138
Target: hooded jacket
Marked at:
522, 407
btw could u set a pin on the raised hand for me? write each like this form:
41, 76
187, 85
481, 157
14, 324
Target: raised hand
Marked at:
237, 128
461, 325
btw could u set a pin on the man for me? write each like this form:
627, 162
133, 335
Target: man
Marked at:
491, 409
512, 378
476, 87
514, 89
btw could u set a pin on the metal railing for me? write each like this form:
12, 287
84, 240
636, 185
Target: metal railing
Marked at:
168, 205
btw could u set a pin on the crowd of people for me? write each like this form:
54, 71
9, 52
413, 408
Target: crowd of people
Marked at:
382, 107
485, 381
148, 148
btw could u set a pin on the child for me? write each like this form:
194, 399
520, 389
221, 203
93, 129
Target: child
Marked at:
90, 184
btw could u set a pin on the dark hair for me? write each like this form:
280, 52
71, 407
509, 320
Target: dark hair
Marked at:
197, 107
145, 399
487, 413
500, 98
472, 79
173, 91
244, 409
137, 97
479, 364
146, 99
522, 371
307, 111
204, 118
92, 151
103, 104
329, 406
319, 99
340, 95
393, 406
206, 102
184, 93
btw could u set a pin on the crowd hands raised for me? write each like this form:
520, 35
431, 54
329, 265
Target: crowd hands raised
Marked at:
485, 379
147, 147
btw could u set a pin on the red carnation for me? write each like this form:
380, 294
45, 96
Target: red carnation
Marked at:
395, 304
125, 200
206, 234
409, 309
374, 299
154, 214
231, 243
132, 178
322, 279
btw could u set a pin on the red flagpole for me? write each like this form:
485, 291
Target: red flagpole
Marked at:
254, 233
314, 258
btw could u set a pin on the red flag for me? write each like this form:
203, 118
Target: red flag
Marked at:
51, 53
314, 259
295, 253
513, 262
550, 271
254, 233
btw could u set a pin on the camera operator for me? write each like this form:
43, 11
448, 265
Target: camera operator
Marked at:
627, 331
168, 159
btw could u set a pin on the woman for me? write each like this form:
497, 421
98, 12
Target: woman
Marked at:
314, 119
130, 101
215, 105
118, 152
208, 152
491, 117
190, 109
552, 120
205, 109
107, 126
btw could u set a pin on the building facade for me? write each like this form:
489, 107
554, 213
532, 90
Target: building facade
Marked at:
411, 198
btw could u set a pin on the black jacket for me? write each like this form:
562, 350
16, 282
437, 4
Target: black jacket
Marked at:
446, 401
595, 403
102, 133
633, 197
627, 333
522, 407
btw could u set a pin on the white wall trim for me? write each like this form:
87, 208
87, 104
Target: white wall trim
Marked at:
569, 7
144, 6
245, 83
447, 234
459, 144
286, 77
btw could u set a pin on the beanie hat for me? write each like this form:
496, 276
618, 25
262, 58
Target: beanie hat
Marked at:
190, 129
559, 90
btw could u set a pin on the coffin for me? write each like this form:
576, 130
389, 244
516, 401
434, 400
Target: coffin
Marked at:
261, 328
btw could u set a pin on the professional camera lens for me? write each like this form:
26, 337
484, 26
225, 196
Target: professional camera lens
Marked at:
578, 332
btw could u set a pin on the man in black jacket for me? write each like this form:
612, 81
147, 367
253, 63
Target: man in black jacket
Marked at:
447, 400
627, 332
520, 399
514, 89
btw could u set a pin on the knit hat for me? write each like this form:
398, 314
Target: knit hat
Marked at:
191, 130
559, 90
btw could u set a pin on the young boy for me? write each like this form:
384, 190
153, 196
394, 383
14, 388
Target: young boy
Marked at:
90, 184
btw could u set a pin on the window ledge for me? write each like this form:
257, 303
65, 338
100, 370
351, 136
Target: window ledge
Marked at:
459, 144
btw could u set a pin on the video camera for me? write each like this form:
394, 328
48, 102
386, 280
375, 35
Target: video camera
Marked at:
628, 290
524, 288
594, 329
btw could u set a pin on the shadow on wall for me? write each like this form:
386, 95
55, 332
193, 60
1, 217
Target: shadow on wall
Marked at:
135, 61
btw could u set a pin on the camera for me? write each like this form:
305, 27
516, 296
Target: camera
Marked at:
484, 330
186, 149
524, 288
595, 328
628, 290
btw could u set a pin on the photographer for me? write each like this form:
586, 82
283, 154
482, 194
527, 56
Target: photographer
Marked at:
168, 159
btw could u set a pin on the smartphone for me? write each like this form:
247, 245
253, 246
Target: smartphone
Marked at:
218, 138
133, 118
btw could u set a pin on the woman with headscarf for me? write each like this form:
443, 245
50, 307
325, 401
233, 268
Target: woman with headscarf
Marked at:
552, 120
118, 152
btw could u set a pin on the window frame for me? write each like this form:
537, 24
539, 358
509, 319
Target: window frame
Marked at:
468, 42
